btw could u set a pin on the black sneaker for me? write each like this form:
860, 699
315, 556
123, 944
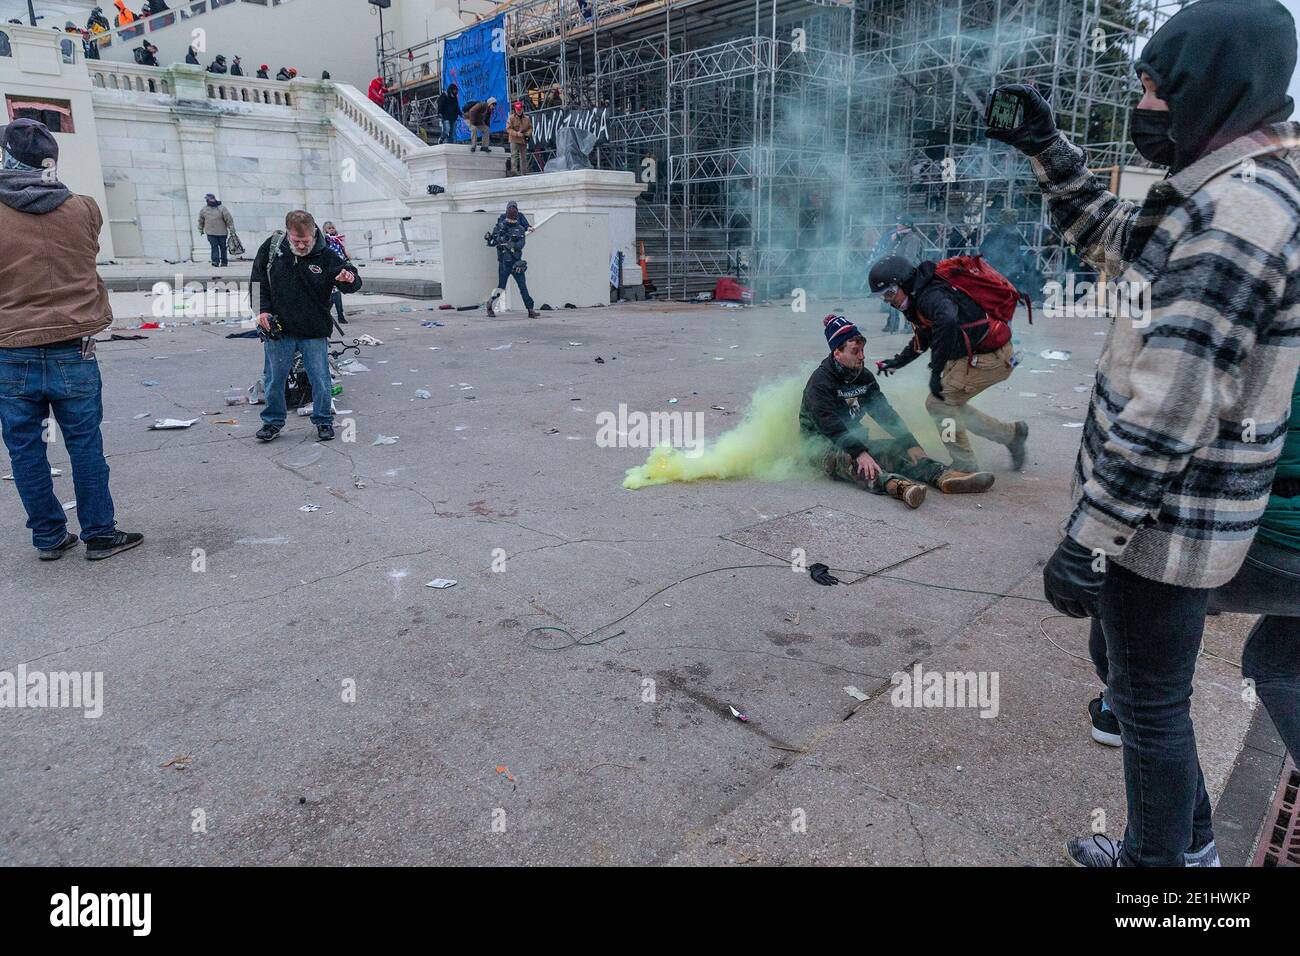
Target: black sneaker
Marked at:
99, 548
268, 432
1097, 850
324, 432
1017, 446
59, 550
1105, 727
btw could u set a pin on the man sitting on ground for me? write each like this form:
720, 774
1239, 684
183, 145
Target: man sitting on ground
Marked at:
839, 391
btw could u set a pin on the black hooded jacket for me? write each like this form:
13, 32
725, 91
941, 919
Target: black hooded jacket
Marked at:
947, 309
297, 289
834, 401
449, 104
1251, 43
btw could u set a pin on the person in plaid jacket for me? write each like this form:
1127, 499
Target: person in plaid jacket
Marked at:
1190, 407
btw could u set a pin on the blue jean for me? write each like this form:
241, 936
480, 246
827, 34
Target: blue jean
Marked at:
1268, 583
35, 382
1144, 648
316, 359
505, 269
448, 129
218, 244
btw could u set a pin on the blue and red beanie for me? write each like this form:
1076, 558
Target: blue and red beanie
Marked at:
839, 330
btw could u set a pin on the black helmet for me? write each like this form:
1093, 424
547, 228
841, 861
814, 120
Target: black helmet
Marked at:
891, 270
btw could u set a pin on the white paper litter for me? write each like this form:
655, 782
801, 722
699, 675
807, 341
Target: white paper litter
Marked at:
1055, 355
368, 340
310, 508
163, 424
1072, 424
386, 440
441, 583
855, 693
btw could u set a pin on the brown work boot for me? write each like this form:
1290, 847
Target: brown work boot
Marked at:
953, 482
532, 313
909, 493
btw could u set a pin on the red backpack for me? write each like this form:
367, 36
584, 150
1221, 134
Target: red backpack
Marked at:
991, 291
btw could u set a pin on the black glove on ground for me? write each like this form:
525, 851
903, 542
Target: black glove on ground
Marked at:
1070, 583
822, 575
1037, 130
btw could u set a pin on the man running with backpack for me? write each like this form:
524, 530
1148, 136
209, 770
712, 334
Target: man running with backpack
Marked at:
959, 309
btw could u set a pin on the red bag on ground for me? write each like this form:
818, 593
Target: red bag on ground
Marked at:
729, 290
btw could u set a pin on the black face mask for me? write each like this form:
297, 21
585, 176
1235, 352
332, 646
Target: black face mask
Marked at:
1149, 130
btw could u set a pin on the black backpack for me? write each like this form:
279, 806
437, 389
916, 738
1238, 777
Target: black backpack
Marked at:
139, 55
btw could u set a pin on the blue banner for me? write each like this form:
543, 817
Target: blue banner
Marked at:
476, 62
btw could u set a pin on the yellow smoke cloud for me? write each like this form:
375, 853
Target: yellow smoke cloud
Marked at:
766, 445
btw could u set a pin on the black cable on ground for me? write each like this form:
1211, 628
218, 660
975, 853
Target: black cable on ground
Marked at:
583, 640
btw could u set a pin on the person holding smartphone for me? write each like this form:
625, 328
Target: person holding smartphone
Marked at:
1189, 410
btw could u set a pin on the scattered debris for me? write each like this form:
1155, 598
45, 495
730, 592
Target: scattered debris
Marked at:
503, 771
1072, 424
180, 763
855, 693
718, 408
822, 575
551, 431
672, 401
738, 715
309, 508
500, 348
441, 583
352, 366
599, 360
1055, 355
140, 416
164, 424
368, 339
385, 440
224, 421
422, 393
575, 344
148, 383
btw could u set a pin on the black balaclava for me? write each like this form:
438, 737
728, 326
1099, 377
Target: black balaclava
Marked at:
1223, 67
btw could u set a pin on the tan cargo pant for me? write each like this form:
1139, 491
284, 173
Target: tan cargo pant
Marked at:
954, 417
518, 159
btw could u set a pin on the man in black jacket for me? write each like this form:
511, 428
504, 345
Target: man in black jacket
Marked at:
296, 273
839, 391
968, 353
449, 111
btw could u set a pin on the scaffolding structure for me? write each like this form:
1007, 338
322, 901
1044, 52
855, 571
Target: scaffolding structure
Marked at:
779, 138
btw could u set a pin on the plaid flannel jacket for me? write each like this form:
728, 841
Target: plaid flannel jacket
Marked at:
1190, 409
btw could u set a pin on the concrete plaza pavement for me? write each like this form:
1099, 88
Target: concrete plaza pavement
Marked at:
473, 739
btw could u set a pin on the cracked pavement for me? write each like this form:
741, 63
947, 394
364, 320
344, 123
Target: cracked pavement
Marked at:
463, 714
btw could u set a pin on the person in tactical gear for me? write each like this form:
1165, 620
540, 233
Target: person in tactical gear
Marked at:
508, 237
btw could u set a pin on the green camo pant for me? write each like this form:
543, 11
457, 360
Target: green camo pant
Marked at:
891, 456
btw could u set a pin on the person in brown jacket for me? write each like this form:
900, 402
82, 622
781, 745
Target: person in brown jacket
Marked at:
52, 303
518, 129
479, 120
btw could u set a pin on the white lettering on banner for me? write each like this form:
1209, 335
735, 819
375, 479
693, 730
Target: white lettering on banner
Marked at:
592, 120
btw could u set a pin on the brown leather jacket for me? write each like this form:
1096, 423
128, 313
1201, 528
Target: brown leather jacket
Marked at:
519, 127
50, 290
